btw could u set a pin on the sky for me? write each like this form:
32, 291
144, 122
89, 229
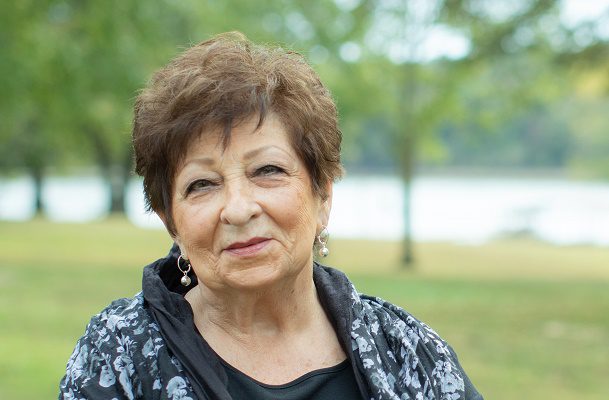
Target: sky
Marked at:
442, 41
576, 11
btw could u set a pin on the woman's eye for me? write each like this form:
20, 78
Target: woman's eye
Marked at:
199, 185
269, 170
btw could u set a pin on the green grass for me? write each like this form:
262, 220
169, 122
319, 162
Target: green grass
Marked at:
528, 320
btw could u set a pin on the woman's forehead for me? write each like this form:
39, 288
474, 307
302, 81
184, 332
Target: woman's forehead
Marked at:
247, 138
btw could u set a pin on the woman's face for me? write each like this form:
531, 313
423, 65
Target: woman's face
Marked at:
246, 215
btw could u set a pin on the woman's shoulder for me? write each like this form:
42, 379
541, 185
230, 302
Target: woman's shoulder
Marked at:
417, 352
122, 317
395, 317
405, 332
123, 322
118, 352
398, 354
122, 313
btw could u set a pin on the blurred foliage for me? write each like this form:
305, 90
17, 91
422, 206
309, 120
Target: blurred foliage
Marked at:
525, 90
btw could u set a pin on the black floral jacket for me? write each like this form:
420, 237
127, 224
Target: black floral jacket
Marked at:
147, 347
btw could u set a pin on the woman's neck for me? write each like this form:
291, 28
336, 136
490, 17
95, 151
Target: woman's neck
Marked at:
257, 314
273, 335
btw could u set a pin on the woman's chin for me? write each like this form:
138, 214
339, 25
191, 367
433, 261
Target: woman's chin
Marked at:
262, 274
263, 269
254, 277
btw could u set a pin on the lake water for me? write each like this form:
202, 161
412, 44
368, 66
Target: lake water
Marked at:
457, 209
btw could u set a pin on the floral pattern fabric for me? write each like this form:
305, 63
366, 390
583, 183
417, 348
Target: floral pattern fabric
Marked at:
123, 354
120, 357
402, 357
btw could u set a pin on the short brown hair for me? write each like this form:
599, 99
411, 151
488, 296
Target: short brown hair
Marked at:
217, 84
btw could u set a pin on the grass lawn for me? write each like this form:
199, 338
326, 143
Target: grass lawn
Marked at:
528, 320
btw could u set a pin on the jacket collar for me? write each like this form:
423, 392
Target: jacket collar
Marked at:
164, 296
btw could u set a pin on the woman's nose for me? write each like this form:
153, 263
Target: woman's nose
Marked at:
240, 205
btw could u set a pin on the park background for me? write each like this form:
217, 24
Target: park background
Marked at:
476, 143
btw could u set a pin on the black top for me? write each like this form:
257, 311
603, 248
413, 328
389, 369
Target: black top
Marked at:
337, 382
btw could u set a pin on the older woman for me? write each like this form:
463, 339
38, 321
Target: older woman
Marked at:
239, 146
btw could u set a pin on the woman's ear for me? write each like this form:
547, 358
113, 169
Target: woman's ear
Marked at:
164, 219
175, 237
325, 207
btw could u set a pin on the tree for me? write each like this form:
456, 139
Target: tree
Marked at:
107, 54
425, 91
27, 80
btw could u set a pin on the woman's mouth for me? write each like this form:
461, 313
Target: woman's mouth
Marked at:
248, 248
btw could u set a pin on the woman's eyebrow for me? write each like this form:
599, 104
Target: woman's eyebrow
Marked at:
207, 161
253, 153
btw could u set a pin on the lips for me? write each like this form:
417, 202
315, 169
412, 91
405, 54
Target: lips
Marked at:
250, 247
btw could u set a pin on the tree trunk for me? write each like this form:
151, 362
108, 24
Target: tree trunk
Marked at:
117, 186
407, 152
407, 163
36, 158
407, 247
119, 181
113, 173
37, 177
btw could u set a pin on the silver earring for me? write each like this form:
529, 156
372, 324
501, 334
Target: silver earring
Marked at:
185, 280
322, 239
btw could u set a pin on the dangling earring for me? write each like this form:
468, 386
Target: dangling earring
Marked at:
185, 280
322, 239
